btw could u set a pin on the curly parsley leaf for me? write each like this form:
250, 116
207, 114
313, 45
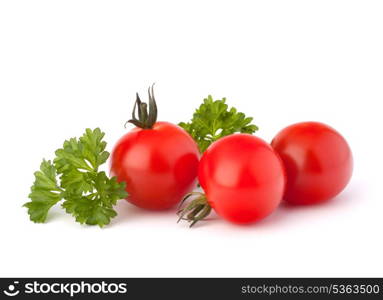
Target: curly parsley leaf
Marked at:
45, 193
89, 195
96, 208
214, 120
79, 158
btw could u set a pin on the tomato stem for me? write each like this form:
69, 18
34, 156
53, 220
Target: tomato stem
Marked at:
144, 115
194, 211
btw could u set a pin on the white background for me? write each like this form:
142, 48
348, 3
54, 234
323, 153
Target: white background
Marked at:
68, 65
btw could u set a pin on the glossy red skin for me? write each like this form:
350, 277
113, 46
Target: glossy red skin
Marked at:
159, 165
243, 178
318, 162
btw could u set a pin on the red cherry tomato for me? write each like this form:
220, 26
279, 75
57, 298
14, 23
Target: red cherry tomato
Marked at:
243, 178
317, 159
157, 160
159, 165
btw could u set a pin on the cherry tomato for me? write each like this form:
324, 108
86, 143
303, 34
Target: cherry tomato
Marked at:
243, 178
317, 159
157, 160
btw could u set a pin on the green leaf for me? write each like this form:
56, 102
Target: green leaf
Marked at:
78, 157
89, 195
93, 147
109, 189
214, 120
88, 210
45, 193
96, 208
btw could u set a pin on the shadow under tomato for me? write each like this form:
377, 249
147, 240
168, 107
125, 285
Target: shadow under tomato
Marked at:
127, 211
288, 213
284, 215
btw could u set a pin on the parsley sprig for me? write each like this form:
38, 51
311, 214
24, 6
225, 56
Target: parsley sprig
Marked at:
74, 177
214, 120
